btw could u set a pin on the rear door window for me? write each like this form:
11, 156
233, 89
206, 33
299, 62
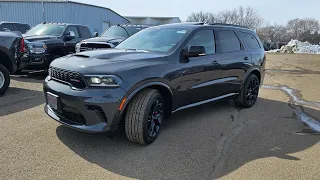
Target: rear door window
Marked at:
84, 32
250, 41
204, 38
228, 41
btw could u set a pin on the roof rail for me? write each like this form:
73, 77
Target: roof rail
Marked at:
192, 23
223, 24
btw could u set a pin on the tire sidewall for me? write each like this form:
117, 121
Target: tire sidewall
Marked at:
6, 84
155, 96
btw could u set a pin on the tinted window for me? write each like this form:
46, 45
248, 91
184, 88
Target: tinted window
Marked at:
250, 41
204, 38
116, 31
132, 30
154, 39
228, 41
46, 29
7, 26
74, 29
84, 32
22, 28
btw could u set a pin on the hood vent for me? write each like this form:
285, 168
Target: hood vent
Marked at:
81, 55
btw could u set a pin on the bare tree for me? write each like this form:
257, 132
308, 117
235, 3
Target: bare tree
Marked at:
201, 17
297, 28
245, 16
273, 33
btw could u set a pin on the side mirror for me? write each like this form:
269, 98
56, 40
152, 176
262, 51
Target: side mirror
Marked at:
70, 35
6, 29
95, 34
194, 51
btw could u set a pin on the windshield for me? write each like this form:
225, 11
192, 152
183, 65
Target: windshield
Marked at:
154, 39
115, 32
46, 29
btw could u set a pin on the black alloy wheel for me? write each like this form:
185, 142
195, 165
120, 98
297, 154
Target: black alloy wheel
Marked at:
252, 91
249, 92
155, 118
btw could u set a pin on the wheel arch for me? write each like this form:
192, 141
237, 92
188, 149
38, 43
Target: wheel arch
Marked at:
164, 90
255, 71
6, 59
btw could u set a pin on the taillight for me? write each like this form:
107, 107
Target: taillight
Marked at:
22, 46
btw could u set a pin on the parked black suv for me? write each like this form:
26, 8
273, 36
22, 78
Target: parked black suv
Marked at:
110, 38
13, 57
14, 26
48, 41
153, 73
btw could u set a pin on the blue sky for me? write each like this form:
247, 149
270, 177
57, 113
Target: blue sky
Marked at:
272, 11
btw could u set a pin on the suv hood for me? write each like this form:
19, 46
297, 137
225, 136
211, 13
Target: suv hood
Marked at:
106, 61
104, 39
38, 38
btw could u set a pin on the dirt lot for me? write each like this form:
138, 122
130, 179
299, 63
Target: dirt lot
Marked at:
268, 141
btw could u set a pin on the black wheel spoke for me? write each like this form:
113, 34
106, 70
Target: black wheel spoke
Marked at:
155, 118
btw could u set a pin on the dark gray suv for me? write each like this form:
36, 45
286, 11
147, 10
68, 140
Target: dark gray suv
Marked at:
153, 73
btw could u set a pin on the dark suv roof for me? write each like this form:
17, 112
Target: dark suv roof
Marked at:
192, 25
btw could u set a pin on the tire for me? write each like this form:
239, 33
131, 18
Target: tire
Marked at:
249, 92
4, 79
144, 117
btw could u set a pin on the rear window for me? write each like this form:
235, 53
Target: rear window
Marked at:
228, 41
22, 28
250, 41
7, 27
84, 32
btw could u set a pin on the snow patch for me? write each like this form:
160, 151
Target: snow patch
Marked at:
298, 47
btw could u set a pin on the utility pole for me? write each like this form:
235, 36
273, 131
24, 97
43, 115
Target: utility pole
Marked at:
43, 13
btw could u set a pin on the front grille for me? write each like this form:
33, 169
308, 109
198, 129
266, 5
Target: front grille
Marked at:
76, 118
92, 46
74, 79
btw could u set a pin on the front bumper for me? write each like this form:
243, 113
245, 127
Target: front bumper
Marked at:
91, 110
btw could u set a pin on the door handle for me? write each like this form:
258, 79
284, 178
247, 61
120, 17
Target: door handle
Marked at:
246, 58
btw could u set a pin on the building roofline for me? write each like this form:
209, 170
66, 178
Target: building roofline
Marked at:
67, 1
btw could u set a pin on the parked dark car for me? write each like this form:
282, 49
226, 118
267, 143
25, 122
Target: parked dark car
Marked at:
110, 38
153, 73
48, 41
13, 57
14, 26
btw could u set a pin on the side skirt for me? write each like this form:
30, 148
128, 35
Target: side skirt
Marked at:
204, 102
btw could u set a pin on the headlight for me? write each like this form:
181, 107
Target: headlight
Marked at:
104, 81
37, 48
78, 46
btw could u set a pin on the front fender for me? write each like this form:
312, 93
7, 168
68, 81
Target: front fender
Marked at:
134, 90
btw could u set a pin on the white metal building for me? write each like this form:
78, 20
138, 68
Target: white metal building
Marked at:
152, 20
34, 12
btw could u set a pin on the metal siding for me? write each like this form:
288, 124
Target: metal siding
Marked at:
62, 12
24, 12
